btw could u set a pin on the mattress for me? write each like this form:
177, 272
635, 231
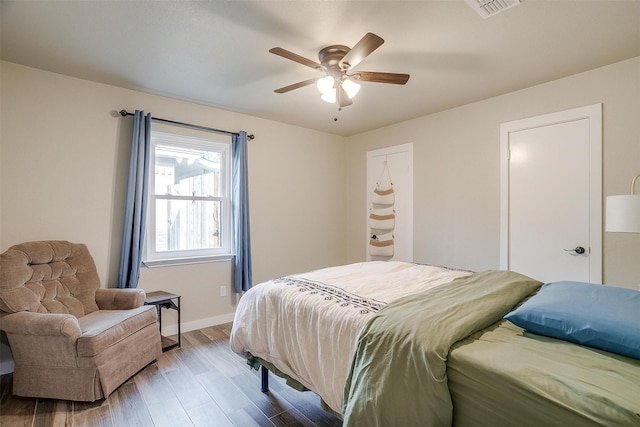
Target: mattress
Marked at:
392, 343
503, 376
307, 325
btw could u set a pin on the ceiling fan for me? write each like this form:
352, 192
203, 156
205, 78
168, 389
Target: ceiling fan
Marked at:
336, 62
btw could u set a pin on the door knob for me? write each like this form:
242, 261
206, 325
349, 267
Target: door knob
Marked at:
578, 249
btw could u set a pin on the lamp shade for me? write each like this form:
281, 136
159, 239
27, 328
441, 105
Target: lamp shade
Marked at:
623, 214
329, 96
325, 84
350, 87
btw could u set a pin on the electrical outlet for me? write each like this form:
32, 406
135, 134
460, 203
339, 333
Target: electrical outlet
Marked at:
223, 291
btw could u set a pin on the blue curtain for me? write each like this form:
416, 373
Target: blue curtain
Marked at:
241, 233
135, 215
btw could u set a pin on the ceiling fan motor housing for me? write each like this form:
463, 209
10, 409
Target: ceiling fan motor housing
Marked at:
330, 58
331, 55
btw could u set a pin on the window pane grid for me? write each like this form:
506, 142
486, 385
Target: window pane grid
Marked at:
189, 206
198, 198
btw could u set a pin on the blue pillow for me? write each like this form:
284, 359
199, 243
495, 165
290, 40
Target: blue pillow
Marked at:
599, 316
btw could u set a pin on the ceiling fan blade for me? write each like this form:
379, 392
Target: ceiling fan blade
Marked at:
343, 98
361, 50
372, 76
296, 85
295, 57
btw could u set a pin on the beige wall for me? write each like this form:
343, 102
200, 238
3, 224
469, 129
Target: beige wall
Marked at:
63, 176
63, 161
457, 169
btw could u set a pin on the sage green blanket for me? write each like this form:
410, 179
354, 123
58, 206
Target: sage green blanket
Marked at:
398, 373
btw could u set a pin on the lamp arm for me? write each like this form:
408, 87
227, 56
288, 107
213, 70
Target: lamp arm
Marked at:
633, 183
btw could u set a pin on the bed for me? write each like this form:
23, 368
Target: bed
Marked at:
392, 343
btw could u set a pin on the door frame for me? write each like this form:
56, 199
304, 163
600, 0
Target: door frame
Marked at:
593, 113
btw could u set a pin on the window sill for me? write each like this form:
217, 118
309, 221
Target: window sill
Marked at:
152, 263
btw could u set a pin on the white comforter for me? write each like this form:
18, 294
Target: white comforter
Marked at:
307, 324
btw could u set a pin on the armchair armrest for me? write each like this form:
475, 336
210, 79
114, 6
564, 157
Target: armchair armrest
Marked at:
41, 324
119, 299
42, 339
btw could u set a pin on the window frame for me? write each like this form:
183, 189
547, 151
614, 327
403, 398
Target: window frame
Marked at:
225, 251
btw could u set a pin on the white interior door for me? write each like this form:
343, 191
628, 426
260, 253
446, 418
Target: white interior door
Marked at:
552, 197
399, 172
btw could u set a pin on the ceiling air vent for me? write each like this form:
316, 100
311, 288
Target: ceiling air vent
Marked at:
487, 8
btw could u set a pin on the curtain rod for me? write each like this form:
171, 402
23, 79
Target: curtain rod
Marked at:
125, 113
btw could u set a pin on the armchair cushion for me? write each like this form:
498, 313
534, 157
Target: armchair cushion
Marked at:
48, 277
104, 328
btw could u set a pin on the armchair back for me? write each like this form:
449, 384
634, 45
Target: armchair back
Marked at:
52, 276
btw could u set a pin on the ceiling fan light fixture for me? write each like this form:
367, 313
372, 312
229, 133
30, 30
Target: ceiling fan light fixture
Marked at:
351, 87
325, 85
336, 61
329, 96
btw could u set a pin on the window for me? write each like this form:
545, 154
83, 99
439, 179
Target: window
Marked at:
189, 207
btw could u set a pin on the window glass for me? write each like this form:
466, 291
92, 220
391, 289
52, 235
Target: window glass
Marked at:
187, 225
182, 171
189, 210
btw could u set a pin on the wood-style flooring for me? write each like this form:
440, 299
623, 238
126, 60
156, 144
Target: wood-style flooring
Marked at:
203, 383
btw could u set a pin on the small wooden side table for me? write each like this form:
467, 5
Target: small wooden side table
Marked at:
162, 299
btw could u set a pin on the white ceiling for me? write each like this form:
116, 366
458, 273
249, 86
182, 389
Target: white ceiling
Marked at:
216, 52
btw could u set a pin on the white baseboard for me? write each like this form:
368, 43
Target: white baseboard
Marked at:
197, 324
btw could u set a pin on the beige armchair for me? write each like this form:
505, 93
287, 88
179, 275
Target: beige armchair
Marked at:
70, 338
